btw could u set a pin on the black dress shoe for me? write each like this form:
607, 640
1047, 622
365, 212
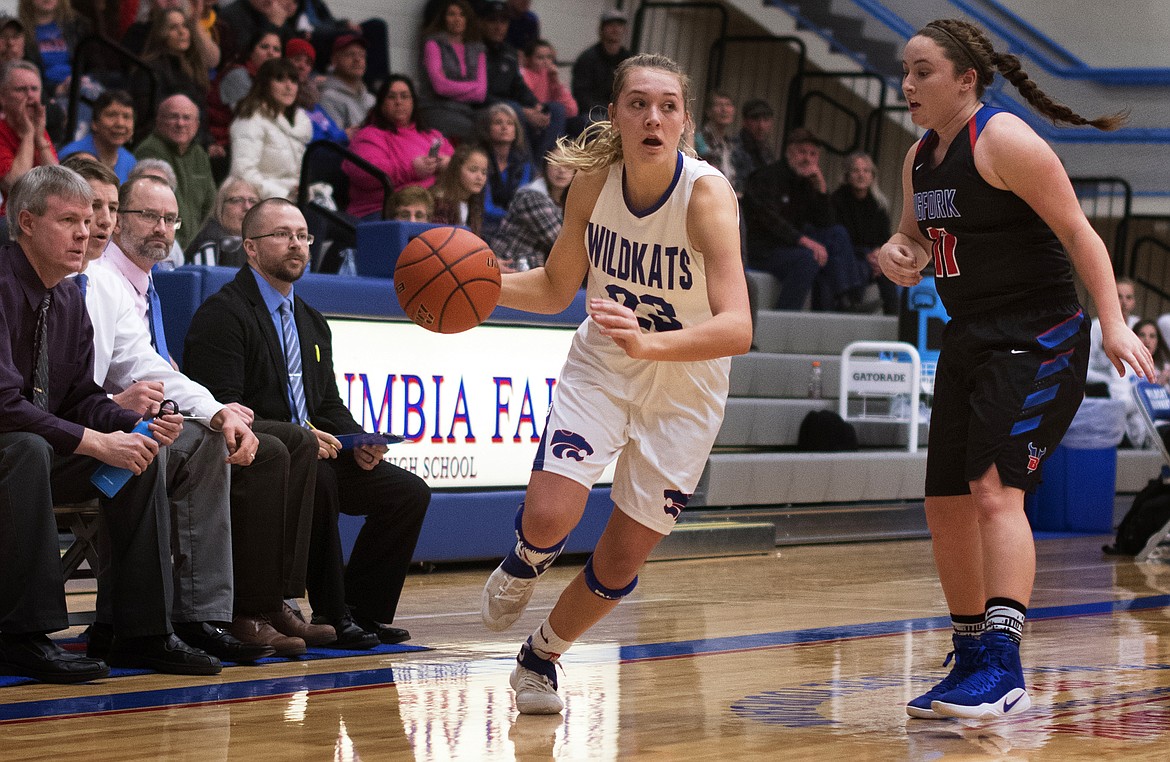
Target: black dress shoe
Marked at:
220, 643
163, 653
38, 657
350, 637
386, 634
98, 638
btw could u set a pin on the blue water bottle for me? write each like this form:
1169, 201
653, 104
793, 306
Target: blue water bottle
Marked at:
109, 479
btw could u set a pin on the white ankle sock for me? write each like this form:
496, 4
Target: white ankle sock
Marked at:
547, 644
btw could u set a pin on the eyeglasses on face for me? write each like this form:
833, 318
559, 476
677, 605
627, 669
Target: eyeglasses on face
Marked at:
282, 237
152, 218
249, 200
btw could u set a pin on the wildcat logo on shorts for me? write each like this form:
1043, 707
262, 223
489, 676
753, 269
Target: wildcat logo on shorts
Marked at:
1034, 456
675, 501
569, 444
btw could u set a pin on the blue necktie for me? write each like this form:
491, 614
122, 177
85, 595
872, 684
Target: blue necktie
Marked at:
158, 336
82, 283
292, 356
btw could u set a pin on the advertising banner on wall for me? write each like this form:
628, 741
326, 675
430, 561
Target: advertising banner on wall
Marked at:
471, 406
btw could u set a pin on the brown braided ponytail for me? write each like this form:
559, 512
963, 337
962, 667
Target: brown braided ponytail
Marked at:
966, 46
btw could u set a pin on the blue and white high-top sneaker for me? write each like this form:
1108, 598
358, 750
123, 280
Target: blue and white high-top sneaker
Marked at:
966, 657
995, 689
535, 682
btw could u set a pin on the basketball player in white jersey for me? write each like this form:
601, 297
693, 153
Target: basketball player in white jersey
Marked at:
645, 382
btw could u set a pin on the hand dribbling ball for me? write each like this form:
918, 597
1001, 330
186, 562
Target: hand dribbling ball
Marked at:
447, 280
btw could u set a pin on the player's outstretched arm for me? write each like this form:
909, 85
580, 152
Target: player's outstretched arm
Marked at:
550, 289
713, 227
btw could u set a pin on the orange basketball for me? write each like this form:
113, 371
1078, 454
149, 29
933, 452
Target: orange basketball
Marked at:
447, 280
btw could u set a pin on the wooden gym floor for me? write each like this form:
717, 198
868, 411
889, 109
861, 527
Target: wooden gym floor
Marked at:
807, 653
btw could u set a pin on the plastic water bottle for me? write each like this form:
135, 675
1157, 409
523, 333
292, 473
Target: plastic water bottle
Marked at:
109, 479
815, 385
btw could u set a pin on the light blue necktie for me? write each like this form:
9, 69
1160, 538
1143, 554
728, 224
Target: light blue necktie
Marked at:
82, 283
158, 336
292, 356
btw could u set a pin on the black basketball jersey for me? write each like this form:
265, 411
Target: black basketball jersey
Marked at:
991, 250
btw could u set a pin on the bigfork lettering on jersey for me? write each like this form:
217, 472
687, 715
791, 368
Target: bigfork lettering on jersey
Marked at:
935, 205
651, 265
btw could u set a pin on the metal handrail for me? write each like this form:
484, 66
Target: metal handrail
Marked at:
328, 146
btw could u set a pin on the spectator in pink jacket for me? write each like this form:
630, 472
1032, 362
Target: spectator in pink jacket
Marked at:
454, 71
541, 75
391, 140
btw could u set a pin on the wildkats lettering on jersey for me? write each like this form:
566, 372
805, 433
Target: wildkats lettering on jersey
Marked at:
642, 264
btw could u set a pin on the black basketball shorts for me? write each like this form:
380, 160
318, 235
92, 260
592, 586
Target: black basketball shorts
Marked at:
1006, 389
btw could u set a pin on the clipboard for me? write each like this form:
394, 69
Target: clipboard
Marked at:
350, 441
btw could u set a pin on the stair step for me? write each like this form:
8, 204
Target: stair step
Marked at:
764, 422
768, 478
807, 524
708, 539
819, 333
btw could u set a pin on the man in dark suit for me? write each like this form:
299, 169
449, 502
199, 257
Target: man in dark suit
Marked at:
56, 427
256, 343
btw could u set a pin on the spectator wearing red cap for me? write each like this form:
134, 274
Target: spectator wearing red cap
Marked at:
302, 55
315, 20
344, 95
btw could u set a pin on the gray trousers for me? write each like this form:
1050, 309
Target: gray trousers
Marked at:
198, 486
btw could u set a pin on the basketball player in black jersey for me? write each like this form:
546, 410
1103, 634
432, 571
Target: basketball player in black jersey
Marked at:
988, 201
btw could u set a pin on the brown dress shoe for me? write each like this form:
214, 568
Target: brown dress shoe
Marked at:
257, 630
286, 622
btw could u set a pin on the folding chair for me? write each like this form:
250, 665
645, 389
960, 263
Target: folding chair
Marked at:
82, 520
1153, 401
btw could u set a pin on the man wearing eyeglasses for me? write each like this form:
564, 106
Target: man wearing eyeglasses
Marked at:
199, 461
255, 342
175, 127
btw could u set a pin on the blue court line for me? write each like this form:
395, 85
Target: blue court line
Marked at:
341, 681
869, 630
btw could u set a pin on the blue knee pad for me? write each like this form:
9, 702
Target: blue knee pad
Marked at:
527, 561
600, 590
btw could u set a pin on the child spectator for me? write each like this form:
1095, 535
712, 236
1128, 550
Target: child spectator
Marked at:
459, 191
413, 204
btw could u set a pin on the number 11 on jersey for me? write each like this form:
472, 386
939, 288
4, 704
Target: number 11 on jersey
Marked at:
942, 247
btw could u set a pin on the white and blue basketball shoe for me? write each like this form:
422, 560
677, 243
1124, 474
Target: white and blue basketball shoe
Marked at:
966, 658
995, 689
535, 682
